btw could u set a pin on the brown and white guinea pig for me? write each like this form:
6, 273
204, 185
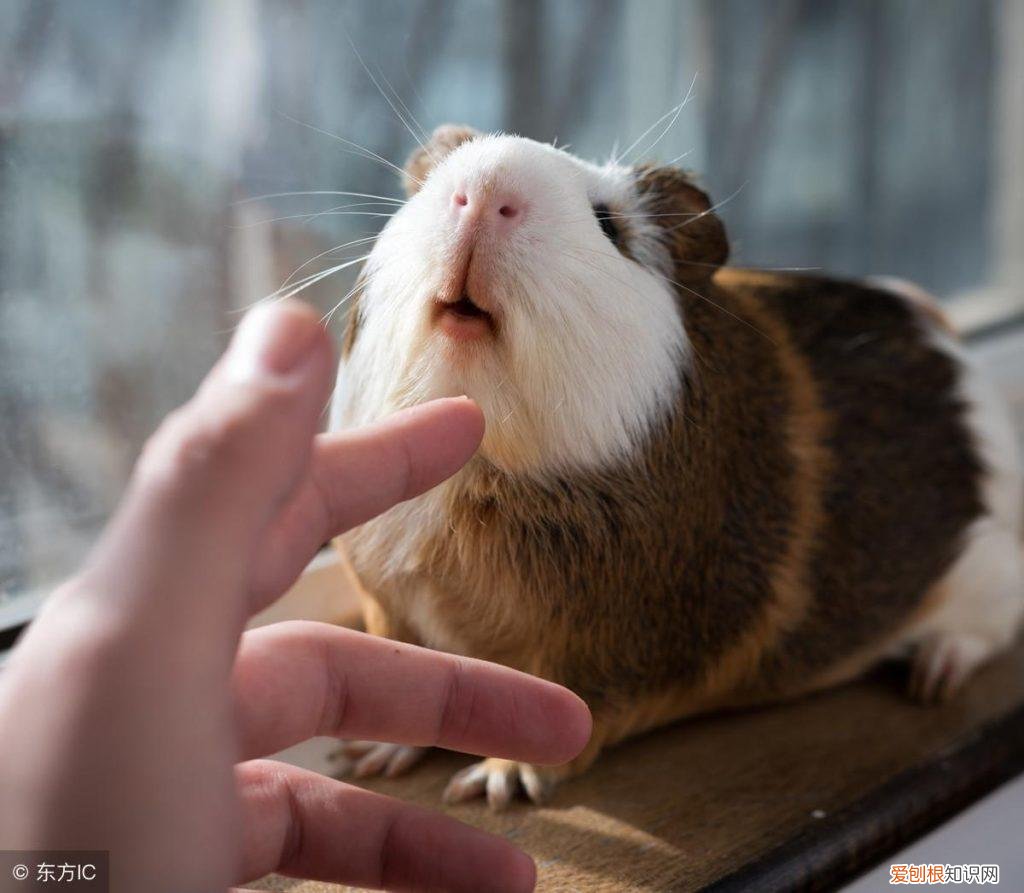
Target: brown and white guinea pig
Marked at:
700, 487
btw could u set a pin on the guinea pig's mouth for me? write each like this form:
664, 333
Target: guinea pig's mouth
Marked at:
463, 319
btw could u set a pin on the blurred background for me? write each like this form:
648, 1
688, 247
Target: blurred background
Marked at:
144, 147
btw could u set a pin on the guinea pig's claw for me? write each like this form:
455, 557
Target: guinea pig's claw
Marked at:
365, 759
466, 784
537, 784
498, 781
943, 663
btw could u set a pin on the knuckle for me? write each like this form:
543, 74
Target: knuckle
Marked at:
187, 446
335, 694
457, 704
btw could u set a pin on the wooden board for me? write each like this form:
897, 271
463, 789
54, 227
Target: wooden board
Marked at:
800, 796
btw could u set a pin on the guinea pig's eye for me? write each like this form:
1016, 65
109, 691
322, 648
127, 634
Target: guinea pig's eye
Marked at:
604, 218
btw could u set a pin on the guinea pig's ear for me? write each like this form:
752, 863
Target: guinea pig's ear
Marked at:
693, 233
423, 160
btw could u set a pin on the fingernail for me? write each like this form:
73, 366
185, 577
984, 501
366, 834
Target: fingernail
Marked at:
271, 339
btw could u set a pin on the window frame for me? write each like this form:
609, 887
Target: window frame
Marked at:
990, 309
1002, 299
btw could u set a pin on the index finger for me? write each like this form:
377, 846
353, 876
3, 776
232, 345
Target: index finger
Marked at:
296, 680
360, 473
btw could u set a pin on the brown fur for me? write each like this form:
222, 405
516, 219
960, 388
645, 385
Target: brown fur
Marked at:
905, 483
352, 324
927, 305
442, 141
693, 232
810, 485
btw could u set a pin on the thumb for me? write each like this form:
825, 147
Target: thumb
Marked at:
216, 472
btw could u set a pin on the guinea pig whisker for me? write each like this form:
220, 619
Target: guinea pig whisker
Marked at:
631, 288
422, 138
362, 282
712, 209
291, 276
310, 277
342, 247
700, 263
600, 270
678, 158
668, 127
619, 158
329, 315
724, 310
641, 215
313, 278
645, 216
304, 283
355, 149
341, 213
307, 192
672, 112
339, 210
668, 279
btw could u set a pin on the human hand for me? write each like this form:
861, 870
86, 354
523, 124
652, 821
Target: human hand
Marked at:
134, 694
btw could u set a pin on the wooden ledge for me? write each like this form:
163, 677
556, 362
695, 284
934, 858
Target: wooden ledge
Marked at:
797, 797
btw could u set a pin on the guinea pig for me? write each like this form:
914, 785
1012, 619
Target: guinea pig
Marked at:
700, 487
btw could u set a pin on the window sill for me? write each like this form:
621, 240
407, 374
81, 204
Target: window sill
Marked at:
985, 310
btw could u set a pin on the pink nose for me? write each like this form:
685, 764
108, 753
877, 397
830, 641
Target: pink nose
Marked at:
496, 210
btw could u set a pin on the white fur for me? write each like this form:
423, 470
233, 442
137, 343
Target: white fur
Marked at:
590, 346
428, 621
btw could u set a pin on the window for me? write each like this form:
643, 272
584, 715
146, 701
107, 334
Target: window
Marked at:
135, 138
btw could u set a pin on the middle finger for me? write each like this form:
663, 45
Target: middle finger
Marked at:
296, 680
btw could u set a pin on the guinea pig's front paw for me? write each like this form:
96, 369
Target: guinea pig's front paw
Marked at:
943, 663
499, 780
363, 759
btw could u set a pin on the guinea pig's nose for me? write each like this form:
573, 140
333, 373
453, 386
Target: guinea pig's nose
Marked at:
494, 209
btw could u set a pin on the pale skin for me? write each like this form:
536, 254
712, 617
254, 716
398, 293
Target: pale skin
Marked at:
135, 711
